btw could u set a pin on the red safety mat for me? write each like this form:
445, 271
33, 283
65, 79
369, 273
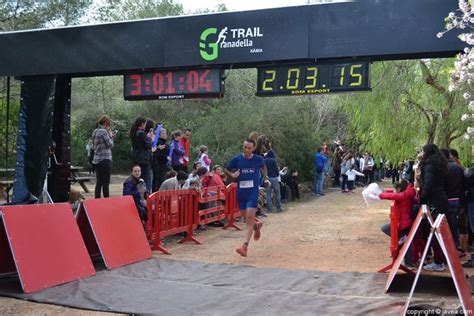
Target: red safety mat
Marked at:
46, 244
7, 265
118, 230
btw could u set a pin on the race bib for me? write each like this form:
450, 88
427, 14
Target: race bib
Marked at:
246, 184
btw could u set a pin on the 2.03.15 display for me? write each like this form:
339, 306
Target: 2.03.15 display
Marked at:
304, 79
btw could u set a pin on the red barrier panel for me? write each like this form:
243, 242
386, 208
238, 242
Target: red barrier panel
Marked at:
117, 229
443, 234
46, 244
231, 206
214, 198
170, 213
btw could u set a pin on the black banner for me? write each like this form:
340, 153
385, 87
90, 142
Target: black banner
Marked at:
364, 29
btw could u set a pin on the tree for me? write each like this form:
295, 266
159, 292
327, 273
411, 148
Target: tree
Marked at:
31, 14
462, 77
119, 10
410, 105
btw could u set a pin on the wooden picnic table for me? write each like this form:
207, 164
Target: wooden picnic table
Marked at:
76, 177
6, 182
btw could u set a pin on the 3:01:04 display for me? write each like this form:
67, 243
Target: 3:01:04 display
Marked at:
166, 83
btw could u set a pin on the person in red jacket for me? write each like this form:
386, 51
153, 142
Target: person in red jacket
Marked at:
186, 142
404, 198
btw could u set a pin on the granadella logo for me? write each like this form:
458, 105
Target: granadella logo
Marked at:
212, 40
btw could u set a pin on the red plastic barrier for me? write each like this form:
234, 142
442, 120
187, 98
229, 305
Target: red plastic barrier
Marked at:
440, 229
46, 244
231, 206
394, 247
214, 197
170, 213
117, 229
7, 265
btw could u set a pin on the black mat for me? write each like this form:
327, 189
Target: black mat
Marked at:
172, 287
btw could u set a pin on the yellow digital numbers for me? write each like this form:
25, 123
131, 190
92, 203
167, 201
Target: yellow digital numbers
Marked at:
356, 75
341, 78
293, 73
269, 81
312, 77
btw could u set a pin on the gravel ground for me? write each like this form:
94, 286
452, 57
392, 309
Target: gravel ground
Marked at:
336, 233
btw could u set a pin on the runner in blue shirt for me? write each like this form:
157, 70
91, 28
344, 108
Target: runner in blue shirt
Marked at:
245, 169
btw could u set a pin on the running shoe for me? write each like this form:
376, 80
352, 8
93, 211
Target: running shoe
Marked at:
256, 230
242, 251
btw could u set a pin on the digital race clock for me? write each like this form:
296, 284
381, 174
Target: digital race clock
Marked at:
174, 84
304, 79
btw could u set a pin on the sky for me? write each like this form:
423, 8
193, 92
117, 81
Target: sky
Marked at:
238, 5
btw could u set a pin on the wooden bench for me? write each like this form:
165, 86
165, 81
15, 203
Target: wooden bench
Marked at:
5, 187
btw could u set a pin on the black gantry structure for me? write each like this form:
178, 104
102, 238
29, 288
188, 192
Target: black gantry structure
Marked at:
46, 60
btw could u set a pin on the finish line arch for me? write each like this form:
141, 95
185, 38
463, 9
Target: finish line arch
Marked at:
347, 32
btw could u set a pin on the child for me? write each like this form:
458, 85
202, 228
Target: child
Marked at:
204, 158
404, 198
140, 201
351, 176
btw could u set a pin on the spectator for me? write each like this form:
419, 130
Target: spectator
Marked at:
186, 142
434, 168
134, 186
351, 177
103, 141
347, 163
175, 182
291, 179
90, 156
469, 186
141, 149
408, 172
177, 153
367, 168
160, 160
214, 178
404, 198
273, 175
320, 166
455, 156
196, 179
455, 191
336, 165
285, 192
204, 158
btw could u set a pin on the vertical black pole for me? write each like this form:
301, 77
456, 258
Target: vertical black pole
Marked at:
7, 118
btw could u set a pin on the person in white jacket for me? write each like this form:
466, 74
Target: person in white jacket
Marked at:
351, 176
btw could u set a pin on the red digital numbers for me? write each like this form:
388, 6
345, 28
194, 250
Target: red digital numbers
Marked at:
185, 83
136, 85
170, 89
157, 83
205, 83
193, 79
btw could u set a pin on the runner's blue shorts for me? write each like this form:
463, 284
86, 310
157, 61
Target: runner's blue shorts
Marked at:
245, 204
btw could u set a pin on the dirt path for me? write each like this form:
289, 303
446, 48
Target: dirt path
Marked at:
336, 232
